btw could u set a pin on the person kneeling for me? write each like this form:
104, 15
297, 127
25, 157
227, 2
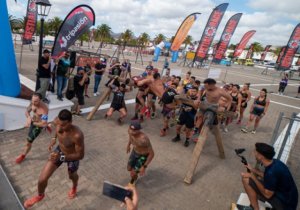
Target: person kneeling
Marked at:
275, 185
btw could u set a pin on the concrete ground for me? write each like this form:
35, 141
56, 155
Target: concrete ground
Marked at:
216, 182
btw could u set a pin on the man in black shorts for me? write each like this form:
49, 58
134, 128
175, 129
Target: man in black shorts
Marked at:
275, 185
118, 102
79, 86
70, 150
187, 116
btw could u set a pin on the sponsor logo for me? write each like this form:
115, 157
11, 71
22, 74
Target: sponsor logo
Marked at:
32, 6
226, 37
63, 41
210, 31
294, 44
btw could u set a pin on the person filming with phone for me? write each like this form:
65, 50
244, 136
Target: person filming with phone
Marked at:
275, 185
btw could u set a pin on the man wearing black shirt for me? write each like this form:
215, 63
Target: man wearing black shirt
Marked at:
44, 74
275, 185
115, 68
99, 70
79, 82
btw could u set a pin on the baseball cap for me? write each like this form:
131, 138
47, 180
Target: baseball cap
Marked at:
135, 125
79, 68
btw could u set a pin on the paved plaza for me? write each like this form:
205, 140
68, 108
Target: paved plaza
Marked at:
216, 182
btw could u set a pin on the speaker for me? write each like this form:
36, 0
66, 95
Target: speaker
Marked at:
72, 59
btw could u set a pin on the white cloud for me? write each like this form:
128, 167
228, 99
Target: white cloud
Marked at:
157, 16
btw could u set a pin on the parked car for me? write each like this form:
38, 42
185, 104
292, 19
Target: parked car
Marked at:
225, 62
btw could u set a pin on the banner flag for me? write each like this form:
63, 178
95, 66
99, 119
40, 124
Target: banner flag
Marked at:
293, 44
280, 55
226, 36
183, 31
30, 24
264, 54
210, 31
241, 46
250, 51
77, 22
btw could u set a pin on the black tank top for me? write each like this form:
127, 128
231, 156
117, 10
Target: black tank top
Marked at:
118, 97
244, 95
168, 96
188, 108
262, 103
234, 98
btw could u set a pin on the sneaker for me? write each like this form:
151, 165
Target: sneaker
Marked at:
153, 114
59, 98
20, 158
163, 132
31, 201
244, 130
176, 139
98, 93
186, 143
95, 94
226, 130
253, 132
72, 193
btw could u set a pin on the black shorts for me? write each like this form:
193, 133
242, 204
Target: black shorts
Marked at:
72, 165
34, 131
136, 161
87, 82
117, 107
138, 101
186, 119
274, 201
80, 97
167, 112
258, 111
244, 104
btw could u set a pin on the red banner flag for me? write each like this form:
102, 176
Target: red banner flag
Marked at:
30, 25
210, 31
241, 46
226, 36
286, 61
264, 54
280, 55
250, 51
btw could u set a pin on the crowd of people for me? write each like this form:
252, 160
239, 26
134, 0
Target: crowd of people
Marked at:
183, 101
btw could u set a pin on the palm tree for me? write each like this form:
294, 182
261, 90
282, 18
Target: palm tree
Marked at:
15, 23
54, 25
144, 39
159, 38
257, 47
232, 46
127, 36
188, 40
84, 37
103, 34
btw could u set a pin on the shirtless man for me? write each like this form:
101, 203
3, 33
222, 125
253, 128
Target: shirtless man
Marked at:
70, 149
36, 122
142, 152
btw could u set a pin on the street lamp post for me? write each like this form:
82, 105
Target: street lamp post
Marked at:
43, 9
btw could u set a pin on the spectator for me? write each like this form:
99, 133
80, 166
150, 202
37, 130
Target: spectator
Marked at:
132, 204
275, 185
99, 70
79, 83
62, 74
44, 74
283, 83
88, 71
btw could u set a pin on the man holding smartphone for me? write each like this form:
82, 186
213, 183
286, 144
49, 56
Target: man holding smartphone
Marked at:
142, 152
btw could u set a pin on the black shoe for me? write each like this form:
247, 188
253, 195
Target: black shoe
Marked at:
186, 143
59, 98
176, 139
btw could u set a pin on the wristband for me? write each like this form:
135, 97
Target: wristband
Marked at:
62, 158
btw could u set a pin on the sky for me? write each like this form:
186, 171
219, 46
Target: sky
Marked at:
274, 21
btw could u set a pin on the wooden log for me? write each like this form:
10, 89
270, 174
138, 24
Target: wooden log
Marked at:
217, 134
99, 103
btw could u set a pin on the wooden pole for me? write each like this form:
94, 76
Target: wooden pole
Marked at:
217, 134
99, 103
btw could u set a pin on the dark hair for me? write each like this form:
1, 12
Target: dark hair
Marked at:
123, 85
179, 77
265, 90
156, 75
193, 77
127, 81
248, 84
194, 87
174, 84
210, 81
198, 82
46, 51
189, 73
237, 86
65, 115
265, 150
37, 94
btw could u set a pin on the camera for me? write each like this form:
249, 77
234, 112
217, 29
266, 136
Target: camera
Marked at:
239, 152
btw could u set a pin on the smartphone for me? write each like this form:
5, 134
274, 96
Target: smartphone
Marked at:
116, 191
